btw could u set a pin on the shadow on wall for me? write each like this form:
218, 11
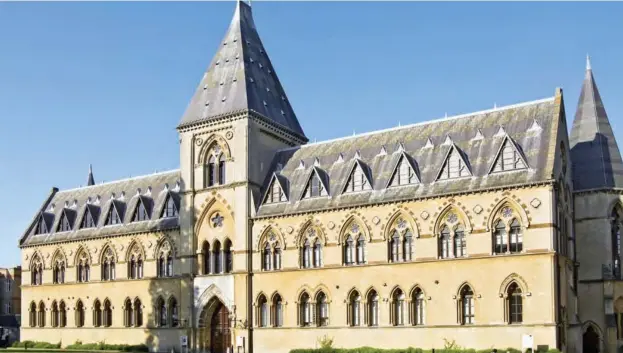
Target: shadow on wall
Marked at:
589, 171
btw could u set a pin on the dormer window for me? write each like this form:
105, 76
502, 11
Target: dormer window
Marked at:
357, 181
64, 225
87, 220
113, 216
275, 192
42, 227
454, 166
170, 209
140, 213
314, 187
508, 158
404, 174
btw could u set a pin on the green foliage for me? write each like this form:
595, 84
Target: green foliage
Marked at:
450, 347
326, 343
78, 345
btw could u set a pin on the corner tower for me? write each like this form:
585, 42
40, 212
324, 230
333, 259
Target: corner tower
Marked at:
598, 186
238, 117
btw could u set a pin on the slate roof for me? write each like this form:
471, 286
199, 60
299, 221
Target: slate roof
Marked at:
241, 78
595, 156
98, 199
477, 136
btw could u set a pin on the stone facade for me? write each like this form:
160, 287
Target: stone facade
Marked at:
458, 230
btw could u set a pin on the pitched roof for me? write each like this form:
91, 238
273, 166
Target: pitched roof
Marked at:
90, 179
241, 78
98, 199
531, 125
595, 156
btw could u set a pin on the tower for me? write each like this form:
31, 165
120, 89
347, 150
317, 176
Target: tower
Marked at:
237, 118
598, 181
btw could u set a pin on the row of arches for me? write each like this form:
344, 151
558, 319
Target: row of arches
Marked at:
216, 259
363, 308
166, 313
108, 264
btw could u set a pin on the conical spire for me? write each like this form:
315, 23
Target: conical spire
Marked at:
595, 154
91, 180
241, 78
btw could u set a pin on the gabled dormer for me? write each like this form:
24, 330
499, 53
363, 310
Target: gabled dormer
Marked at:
358, 178
277, 191
142, 210
43, 223
114, 215
316, 185
404, 172
454, 165
66, 222
508, 157
170, 207
89, 218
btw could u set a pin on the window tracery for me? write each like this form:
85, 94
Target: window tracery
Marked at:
83, 268
372, 308
135, 263
215, 167
507, 232
36, 270
354, 245
277, 311
165, 260
108, 265
58, 269
311, 249
271, 253
466, 305
400, 241
398, 308
452, 237
417, 307
354, 309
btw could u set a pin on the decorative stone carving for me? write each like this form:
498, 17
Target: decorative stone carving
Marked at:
229, 135
290, 230
452, 217
26, 257
478, 209
47, 256
331, 225
507, 212
120, 247
217, 220
149, 244
354, 228
424, 215
376, 220
199, 141
535, 203
71, 252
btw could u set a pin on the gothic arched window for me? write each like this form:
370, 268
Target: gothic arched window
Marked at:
135, 265
83, 273
305, 312
417, 307
228, 257
400, 241
277, 311
107, 313
62, 313
466, 306
55, 315
205, 252
138, 313
216, 255
311, 249
514, 304
41, 315
128, 317
165, 260
267, 254
262, 311
36, 271
354, 245
174, 312
215, 166
452, 237
322, 309
161, 310
507, 234
108, 265
354, 309
32, 315
80, 314
398, 307
58, 269
372, 308
97, 313
444, 243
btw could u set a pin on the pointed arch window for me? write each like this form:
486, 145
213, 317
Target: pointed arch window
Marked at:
228, 257
36, 271
262, 311
306, 254
113, 216
616, 243
140, 213
444, 239
516, 238
400, 241
58, 271
138, 313
507, 234
466, 306
205, 252
514, 304
417, 307
216, 255
354, 246
80, 314
501, 245
32, 315
454, 166
314, 187
128, 317
305, 310
460, 243
311, 249
87, 219
215, 167
508, 158
221, 170
170, 209
317, 253
83, 273
267, 254
403, 173
211, 171
161, 312
354, 309
135, 266
97, 313
107, 313
108, 265
165, 260
277, 257
64, 225
277, 311
372, 308
322, 309
174, 312
41, 315
357, 180
55, 314
398, 308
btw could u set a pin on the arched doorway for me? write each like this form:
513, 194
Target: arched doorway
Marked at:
214, 328
590, 340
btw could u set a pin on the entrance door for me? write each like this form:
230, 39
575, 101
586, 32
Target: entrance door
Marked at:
220, 335
590, 341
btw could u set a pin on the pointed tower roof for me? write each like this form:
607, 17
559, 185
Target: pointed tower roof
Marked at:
595, 154
90, 180
241, 79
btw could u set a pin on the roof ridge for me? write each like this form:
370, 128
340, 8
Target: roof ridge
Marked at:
447, 118
121, 180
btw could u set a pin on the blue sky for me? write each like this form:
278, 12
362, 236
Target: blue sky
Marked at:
106, 83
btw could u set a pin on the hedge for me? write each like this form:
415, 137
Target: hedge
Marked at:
407, 350
83, 346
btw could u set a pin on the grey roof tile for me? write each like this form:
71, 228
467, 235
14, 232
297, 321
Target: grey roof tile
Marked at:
595, 156
416, 142
241, 78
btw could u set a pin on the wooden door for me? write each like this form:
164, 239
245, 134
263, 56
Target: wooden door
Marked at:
220, 331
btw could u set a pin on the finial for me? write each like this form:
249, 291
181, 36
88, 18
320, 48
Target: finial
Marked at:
588, 62
90, 180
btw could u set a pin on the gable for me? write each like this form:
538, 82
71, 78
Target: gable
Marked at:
276, 191
358, 179
508, 157
454, 165
113, 217
404, 172
315, 186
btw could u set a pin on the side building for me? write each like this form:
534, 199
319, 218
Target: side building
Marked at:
10, 304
